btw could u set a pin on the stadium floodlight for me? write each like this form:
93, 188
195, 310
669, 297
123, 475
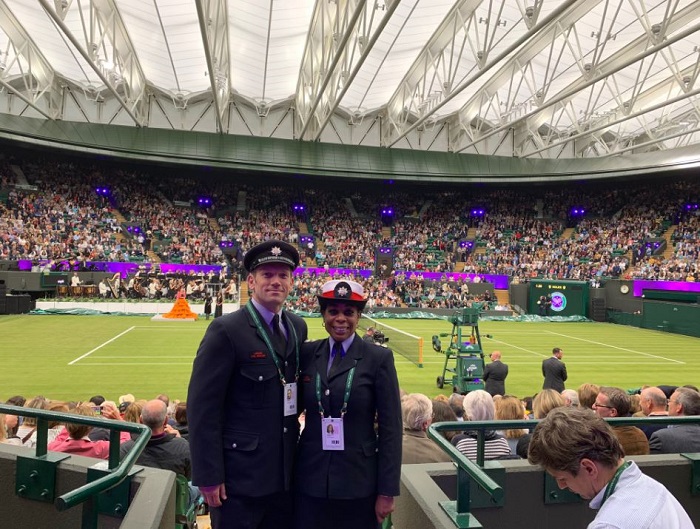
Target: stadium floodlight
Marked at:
477, 212
204, 202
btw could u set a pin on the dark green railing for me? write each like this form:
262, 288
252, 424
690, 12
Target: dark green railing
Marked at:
118, 471
477, 472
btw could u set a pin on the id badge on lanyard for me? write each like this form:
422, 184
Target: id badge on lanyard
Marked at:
332, 436
290, 399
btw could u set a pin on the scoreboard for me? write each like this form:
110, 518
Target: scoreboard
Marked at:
568, 298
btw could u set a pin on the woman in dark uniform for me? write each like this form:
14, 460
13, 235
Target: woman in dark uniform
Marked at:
348, 468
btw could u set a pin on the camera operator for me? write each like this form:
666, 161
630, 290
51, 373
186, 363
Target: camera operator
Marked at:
369, 335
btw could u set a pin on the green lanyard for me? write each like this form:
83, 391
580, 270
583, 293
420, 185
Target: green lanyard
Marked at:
346, 398
613, 482
266, 338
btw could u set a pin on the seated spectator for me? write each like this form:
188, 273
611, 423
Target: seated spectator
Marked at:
614, 402
654, 404
165, 449
74, 439
478, 406
181, 420
6, 437
417, 412
443, 412
679, 437
570, 398
55, 427
544, 402
583, 455
587, 394
509, 408
456, 401
28, 426
12, 422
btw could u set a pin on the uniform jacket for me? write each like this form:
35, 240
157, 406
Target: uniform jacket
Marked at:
676, 439
554, 371
495, 375
238, 433
371, 461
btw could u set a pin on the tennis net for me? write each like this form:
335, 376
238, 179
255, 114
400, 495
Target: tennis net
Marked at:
401, 342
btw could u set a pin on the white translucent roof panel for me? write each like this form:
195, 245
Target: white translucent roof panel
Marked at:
53, 44
262, 69
547, 85
169, 42
398, 46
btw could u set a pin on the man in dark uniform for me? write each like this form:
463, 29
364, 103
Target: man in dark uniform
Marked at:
554, 371
242, 399
495, 375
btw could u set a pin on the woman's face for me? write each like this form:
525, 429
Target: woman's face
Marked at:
340, 320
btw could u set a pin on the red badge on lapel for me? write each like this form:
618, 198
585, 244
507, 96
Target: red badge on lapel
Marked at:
258, 355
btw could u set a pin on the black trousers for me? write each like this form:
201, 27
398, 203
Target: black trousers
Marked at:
242, 512
322, 513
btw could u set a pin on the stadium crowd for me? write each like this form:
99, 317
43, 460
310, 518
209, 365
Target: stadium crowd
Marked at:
50, 213
419, 411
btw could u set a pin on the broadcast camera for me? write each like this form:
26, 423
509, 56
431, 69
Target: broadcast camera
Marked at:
379, 338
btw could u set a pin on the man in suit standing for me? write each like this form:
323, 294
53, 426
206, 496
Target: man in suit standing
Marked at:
242, 400
495, 375
554, 371
679, 437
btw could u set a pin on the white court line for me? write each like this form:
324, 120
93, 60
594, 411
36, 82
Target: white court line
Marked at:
110, 357
90, 364
616, 347
101, 346
516, 347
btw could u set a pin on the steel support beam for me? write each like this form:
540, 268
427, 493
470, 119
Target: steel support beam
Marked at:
38, 77
213, 23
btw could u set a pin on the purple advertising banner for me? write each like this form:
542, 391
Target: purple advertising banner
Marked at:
675, 286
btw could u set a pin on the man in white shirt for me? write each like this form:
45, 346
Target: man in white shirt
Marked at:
582, 453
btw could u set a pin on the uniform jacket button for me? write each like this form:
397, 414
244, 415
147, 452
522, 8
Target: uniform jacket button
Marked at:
285, 430
260, 378
234, 445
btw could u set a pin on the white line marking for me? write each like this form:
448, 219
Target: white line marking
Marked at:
148, 357
616, 347
100, 346
90, 364
521, 348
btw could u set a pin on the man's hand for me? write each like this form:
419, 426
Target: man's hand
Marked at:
383, 507
214, 495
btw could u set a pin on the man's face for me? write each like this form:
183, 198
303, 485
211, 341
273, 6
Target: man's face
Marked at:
340, 320
674, 408
602, 406
270, 285
582, 484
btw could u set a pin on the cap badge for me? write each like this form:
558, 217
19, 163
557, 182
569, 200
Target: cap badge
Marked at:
342, 292
276, 251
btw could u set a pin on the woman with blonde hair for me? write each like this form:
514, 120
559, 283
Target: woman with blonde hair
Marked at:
587, 393
509, 408
544, 402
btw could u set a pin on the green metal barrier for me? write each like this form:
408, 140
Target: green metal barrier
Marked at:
35, 477
486, 478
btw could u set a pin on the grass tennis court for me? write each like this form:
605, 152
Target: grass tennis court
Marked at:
72, 357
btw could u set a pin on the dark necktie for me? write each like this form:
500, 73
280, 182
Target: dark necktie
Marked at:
278, 340
336, 355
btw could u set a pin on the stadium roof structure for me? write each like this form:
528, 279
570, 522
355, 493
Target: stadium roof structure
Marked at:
533, 79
